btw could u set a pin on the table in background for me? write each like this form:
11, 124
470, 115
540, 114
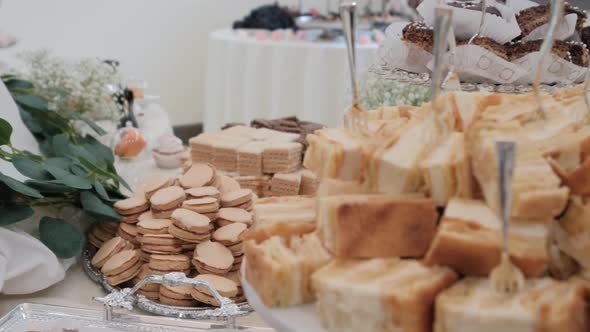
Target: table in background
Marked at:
249, 78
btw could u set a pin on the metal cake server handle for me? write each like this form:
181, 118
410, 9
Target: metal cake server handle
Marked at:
557, 10
356, 117
506, 277
125, 298
442, 29
484, 9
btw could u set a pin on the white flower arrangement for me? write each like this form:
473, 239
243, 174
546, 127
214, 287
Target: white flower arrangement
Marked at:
79, 85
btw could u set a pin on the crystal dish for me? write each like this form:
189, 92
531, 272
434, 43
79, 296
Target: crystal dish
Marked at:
39, 317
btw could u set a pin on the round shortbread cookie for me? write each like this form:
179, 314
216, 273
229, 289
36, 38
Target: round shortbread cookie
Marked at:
236, 197
198, 175
167, 198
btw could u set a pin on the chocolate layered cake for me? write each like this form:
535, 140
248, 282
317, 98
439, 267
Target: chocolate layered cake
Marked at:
534, 17
490, 45
574, 52
420, 35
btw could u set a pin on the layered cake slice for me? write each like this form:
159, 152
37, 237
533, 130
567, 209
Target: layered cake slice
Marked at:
468, 241
379, 294
447, 171
283, 216
472, 305
368, 226
536, 190
394, 169
280, 268
335, 153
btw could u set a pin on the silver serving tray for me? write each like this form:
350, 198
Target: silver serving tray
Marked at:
26, 315
141, 302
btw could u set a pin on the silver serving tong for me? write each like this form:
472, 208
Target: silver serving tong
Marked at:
355, 118
557, 10
124, 298
506, 278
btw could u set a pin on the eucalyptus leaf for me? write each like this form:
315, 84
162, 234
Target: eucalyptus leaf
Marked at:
20, 187
101, 191
92, 204
69, 179
64, 239
60, 145
46, 147
5, 132
15, 213
79, 170
58, 162
30, 168
99, 149
16, 84
31, 122
97, 129
34, 102
78, 151
49, 187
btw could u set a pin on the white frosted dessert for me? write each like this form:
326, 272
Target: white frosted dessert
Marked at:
169, 151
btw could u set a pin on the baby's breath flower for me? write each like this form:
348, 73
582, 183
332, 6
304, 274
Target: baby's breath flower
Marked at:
76, 85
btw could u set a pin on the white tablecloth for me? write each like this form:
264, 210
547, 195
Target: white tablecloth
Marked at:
249, 78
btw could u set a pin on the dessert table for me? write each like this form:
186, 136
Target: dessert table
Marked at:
249, 78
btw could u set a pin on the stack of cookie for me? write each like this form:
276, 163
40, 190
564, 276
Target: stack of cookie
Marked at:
102, 232
108, 250
191, 225
224, 286
213, 258
131, 208
153, 227
151, 291
231, 237
165, 201
122, 267
241, 199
